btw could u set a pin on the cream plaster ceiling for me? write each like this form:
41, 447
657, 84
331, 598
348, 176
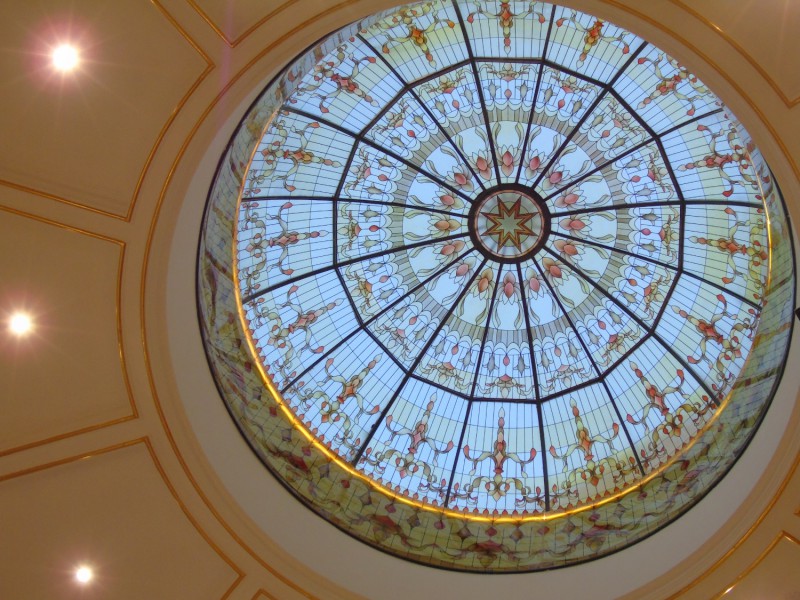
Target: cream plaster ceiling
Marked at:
98, 458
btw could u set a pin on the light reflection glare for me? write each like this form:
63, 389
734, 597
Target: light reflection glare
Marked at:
83, 574
20, 324
65, 58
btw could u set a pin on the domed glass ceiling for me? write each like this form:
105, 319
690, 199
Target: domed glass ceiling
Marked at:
499, 261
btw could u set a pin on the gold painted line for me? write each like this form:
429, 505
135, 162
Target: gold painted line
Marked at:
248, 31
210, 66
47, 221
120, 342
49, 196
753, 62
148, 246
233, 586
262, 593
63, 436
118, 309
70, 459
208, 539
783, 536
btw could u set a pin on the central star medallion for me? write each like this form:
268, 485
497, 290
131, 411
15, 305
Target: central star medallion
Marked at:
509, 225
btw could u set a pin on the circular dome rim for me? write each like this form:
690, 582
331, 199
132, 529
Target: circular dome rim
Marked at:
456, 514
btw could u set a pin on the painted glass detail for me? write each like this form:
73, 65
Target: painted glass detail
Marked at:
499, 260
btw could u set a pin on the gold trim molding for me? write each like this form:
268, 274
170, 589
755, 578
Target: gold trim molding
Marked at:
235, 42
790, 103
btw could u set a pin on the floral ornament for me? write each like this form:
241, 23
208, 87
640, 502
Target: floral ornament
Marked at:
508, 154
510, 295
456, 177
259, 242
443, 253
568, 371
330, 71
408, 462
717, 160
332, 409
575, 195
506, 73
362, 171
593, 469
281, 331
505, 18
442, 200
668, 85
438, 226
442, 90
441, 368
559, 171
594, 34
278, 151
499, 484
481, 159
729, 345
362, 288
667, 234
572, 91
535, 289
405, 330
482, 288
754, 253
417, 35
537, 157
673, 419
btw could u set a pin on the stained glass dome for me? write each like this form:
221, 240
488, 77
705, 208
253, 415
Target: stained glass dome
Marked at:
485, 284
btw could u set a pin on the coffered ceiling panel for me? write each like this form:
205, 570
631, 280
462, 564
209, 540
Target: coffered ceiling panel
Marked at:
114, 513
765, 46
67, 375
87, 135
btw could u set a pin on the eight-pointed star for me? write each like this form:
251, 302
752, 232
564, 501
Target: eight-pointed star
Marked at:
509, 224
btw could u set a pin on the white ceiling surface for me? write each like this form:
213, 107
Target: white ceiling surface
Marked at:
103, 179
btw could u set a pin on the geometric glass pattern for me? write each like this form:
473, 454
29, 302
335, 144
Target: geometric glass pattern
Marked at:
502, 260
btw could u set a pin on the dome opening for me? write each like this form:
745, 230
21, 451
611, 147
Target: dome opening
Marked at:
494, 286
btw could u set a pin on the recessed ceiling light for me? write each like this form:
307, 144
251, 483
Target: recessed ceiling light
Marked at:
83, 574
65, 58
20, 324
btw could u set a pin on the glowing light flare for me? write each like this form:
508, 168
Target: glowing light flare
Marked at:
83, 574
65, 58
20, 324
